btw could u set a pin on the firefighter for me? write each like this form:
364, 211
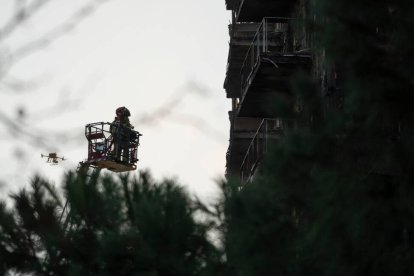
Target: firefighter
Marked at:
120, 130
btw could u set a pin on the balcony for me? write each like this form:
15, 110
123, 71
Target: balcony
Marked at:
242, 131
277, 52
255, 10
241, 36
269, 131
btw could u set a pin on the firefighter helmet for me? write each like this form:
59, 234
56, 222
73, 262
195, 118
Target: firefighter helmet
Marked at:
122, 111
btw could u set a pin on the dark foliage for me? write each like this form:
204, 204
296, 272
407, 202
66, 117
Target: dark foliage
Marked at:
111, 227
335, 195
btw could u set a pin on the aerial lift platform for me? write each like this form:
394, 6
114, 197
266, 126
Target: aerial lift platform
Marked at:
111, 146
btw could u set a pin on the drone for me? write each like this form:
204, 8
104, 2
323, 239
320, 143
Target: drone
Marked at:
52, 158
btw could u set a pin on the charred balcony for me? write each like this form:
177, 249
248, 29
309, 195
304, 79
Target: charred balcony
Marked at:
277, 52
255, 10
242, 131
241, 36
269, 131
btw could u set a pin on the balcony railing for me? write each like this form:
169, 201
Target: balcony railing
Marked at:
275, 35
269, 129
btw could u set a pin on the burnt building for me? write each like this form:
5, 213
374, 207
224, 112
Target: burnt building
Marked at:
269, 43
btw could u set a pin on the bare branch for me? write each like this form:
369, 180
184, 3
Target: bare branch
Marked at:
66, 103
19, 129
22, 14
64, 28
15, 85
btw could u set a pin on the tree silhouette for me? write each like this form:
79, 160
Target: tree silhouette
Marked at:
112, 226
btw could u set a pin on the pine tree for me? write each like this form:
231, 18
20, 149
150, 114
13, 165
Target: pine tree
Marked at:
111, 227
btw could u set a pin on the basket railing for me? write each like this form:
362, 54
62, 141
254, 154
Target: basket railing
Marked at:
108, 140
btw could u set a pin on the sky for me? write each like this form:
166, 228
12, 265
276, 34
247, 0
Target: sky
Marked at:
74, 62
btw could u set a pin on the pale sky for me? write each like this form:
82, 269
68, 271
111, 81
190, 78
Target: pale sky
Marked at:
133, 53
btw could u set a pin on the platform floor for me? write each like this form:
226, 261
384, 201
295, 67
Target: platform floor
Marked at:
113, 166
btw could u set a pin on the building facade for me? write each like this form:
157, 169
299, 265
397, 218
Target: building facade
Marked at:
269, 43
